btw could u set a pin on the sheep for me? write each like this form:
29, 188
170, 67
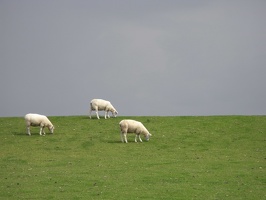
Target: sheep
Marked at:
100, 104
38, 120
133, 126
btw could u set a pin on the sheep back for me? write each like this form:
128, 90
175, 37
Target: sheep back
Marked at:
37, 120
100, 104
133, 126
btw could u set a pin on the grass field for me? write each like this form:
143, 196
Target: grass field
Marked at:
213, 157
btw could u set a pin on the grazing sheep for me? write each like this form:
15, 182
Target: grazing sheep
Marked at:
100, 104
38, 120
132, 126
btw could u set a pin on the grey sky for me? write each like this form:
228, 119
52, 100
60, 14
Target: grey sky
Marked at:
148, 57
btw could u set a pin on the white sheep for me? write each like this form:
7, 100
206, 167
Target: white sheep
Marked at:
38, 120
133, 126
100, 104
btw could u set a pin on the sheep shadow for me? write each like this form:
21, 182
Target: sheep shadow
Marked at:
86, 117
16, 133
94, 117
114, 141
120, 142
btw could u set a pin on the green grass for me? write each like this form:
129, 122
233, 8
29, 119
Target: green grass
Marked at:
214, 157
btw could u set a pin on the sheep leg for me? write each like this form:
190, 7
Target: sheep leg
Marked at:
140, 138
136, 138
97, 114
124, 137
28, 130
90, 113
42, 130
106, 114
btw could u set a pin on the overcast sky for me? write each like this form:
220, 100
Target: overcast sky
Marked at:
148, 57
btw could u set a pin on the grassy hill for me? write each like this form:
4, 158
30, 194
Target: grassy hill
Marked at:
215, 157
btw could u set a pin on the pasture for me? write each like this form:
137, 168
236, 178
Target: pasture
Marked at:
212, 157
